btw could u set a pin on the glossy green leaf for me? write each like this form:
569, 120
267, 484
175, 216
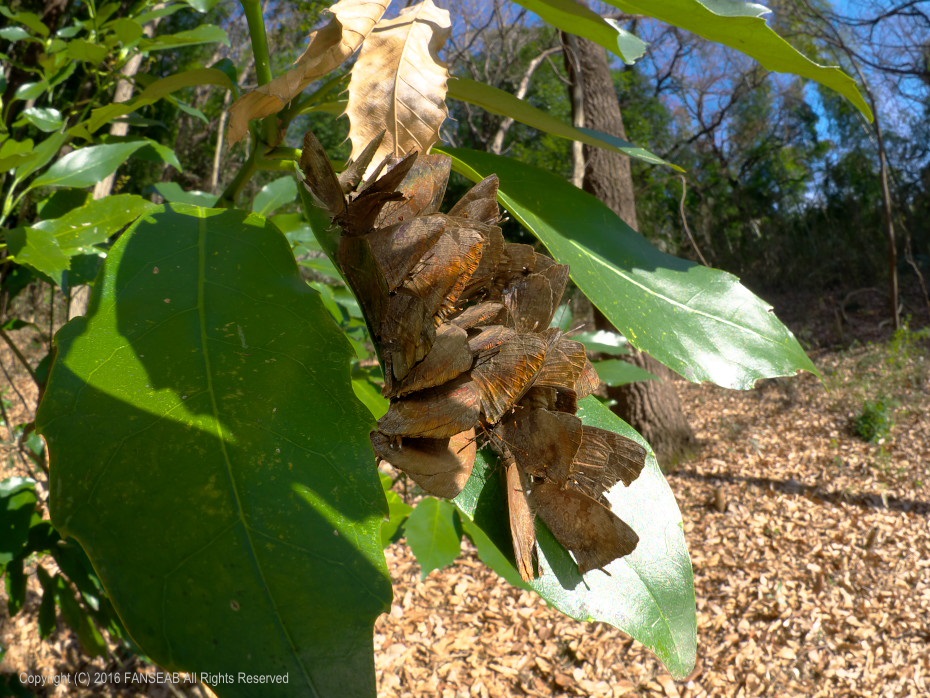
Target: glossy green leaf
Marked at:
503, 103
27, 19
30, 90
14, 34
49, 245
398, 511
203, 34
575, 18
274, 195
126, 29
17, 507
741, 24
94, 222
174, 194
648, 594
87, 51
432, 534
44, 119
13, 152
38, 250
619, 372
604, 342
157, 90
371, 397
41, 155
698, 321
228, 499
87, 166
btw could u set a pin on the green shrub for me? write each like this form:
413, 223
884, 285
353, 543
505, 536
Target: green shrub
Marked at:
875, 421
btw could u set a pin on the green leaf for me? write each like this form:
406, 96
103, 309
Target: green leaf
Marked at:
47, 120
127, 30
14, 34
741, 25
202, 6
173, 194
698, 321
157, 90
48, 611
505, 104
204, 34
648, 594
274, 195
619, 372
13, 153
39, 250
398, 511
41, 155
17, 507
87, 51
30, 90
491, 555
15, 583
432, 534
371, 397
604, 342
576, 18
94, 222
228, 499
28, 19
49, 245
87, 166
76, 616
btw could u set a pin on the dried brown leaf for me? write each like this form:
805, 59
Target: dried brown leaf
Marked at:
328, 48
399, 83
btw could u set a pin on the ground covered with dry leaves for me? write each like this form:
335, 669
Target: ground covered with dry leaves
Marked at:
811, 552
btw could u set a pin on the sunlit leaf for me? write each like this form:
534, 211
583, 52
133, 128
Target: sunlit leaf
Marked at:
432, 534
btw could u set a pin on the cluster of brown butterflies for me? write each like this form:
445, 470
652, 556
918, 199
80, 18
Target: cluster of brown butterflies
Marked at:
461, 321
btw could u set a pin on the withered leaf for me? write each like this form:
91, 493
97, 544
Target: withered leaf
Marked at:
399, 82
448, 358
328, 47
503, 374
588, 529
436, 413
439, 466
423, 189
522, 525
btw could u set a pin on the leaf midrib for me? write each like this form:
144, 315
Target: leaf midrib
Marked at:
222, 436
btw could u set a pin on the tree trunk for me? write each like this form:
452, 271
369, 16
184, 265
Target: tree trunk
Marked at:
651, 407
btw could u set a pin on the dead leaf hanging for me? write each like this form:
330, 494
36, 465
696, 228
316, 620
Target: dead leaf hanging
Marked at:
399, 83
328, 48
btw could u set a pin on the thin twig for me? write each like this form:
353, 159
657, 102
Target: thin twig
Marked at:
684, 220
22, 359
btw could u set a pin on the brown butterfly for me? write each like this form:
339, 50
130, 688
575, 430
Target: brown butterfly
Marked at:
440, 466
565, 468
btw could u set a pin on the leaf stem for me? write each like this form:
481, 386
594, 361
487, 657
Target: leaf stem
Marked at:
259, 39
